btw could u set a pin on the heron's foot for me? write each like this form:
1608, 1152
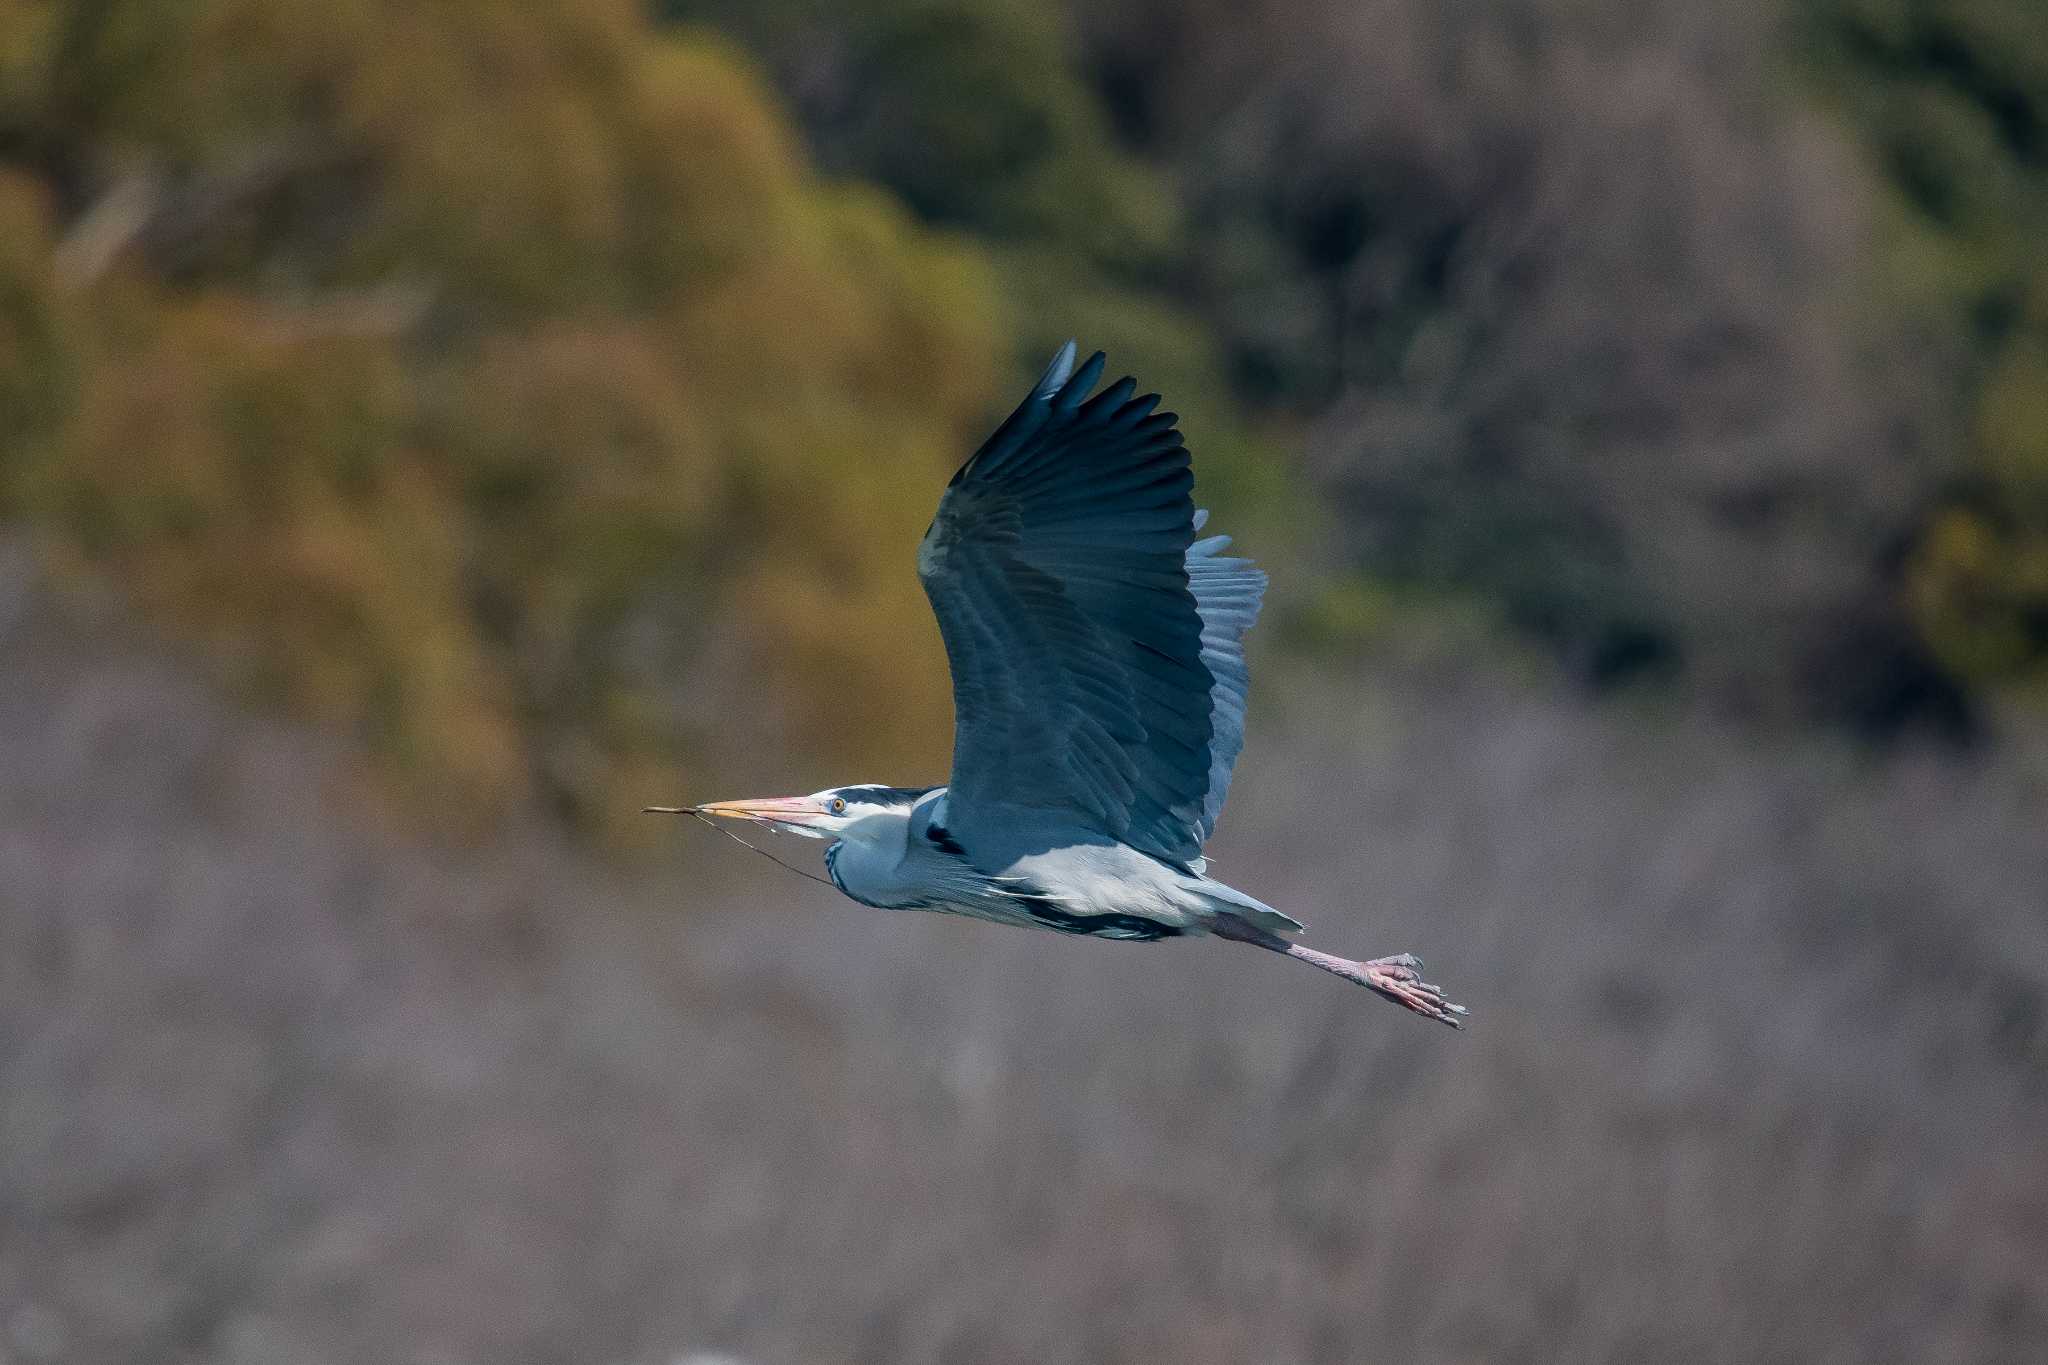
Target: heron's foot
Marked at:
1399, 979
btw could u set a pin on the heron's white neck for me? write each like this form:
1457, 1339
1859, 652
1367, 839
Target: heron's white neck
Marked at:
868, 861
888, 860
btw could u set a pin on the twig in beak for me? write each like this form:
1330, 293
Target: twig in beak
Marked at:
751, 848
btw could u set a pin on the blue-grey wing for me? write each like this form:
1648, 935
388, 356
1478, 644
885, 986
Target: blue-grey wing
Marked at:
1098, 680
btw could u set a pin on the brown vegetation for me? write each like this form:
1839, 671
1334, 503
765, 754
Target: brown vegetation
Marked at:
1756, 1073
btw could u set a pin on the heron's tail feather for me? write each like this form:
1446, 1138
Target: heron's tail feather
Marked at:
1271, 920
1230, 900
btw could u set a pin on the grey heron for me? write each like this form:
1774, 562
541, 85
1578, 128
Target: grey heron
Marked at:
1099, 688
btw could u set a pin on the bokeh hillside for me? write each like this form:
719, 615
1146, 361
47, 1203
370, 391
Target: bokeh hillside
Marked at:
515, 434
431, 431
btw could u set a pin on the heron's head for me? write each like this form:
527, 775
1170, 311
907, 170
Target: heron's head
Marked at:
835, 813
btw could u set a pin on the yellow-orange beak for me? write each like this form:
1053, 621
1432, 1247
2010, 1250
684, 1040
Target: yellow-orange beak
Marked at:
794, 813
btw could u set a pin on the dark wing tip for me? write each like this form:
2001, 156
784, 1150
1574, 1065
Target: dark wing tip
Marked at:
1081, 383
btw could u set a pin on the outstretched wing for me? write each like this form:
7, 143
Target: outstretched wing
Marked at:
1095, 686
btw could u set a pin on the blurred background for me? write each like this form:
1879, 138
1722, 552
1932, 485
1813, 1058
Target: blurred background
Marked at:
430, 432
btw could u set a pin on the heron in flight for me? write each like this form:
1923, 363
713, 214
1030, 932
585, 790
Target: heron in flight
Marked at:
1099, 692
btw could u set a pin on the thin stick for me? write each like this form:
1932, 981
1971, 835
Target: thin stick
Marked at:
751, 848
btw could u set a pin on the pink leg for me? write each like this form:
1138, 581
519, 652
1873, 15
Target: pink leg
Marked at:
1398, 978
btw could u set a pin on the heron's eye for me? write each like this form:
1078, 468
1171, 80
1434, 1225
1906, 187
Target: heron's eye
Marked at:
839, 805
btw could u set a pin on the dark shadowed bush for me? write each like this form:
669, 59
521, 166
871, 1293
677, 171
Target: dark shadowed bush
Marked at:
1951, 99
1582, 305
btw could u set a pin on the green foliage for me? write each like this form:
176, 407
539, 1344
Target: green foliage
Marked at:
35, 363
1951, 96
972, 111
471, 421
979, 115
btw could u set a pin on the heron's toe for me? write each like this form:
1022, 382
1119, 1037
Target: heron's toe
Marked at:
1398, 979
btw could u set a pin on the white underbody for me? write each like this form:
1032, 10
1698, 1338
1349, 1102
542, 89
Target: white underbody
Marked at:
900, 863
